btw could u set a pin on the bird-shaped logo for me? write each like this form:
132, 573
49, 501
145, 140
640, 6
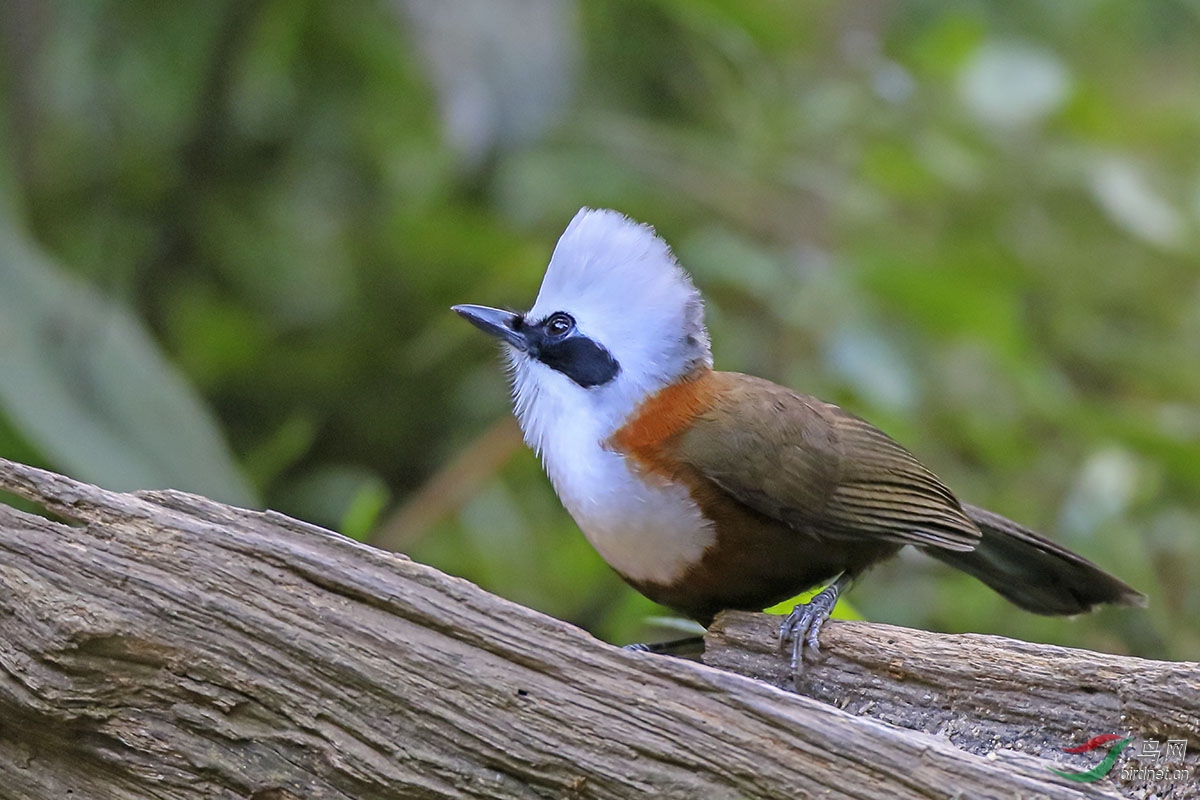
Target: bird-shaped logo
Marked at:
709, 490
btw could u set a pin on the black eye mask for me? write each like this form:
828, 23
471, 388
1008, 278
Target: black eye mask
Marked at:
568, 351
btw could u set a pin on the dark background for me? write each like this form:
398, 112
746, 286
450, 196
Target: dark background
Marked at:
230, 233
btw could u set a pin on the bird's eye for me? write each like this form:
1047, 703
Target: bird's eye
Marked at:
559, 324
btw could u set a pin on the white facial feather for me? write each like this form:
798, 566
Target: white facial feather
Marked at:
622, 285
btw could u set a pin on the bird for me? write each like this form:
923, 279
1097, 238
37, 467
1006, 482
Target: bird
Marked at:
708, 490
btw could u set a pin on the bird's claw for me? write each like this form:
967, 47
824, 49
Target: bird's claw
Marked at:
688, 647
803, 626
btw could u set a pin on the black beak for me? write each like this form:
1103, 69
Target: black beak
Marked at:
503, 325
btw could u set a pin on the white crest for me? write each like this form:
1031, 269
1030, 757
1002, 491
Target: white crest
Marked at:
622, 285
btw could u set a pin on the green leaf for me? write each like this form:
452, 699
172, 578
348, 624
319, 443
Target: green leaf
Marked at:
82, 381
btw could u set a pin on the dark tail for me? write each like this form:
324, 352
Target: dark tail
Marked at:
1035, 573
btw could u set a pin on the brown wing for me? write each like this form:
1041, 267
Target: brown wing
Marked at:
820, 469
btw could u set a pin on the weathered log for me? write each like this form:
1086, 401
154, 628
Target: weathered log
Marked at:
981, 692
162, 645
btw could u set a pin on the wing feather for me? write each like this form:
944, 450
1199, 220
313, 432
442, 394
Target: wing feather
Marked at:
820, 469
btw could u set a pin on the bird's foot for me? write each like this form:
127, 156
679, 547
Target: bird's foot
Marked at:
803, 625
691, 647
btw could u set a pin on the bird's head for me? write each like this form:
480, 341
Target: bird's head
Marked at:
615, 321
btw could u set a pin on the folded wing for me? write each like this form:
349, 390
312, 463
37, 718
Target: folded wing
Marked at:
820, 469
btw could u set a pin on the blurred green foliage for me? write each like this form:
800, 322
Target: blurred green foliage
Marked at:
230, 233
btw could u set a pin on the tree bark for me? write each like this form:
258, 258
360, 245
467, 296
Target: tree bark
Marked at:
162, 645
980, 692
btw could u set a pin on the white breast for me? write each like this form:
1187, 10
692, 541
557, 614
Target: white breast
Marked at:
648, 533
646, 529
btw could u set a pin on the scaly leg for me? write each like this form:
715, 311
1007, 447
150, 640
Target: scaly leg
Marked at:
691, 647
803, 625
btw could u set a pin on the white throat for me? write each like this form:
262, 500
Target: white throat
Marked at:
648, 530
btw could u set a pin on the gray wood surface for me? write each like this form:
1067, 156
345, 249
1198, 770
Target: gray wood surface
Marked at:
981, 692
162, 645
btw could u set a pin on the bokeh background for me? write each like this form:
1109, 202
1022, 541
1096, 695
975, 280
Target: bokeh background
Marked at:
230, 233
